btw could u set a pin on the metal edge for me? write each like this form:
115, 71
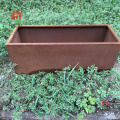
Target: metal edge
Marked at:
78, 25
78, 43
11, 36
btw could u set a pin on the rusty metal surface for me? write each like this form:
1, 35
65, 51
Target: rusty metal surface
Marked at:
49, 48
59, 34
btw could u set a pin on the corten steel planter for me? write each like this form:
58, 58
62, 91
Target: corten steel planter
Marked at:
51, 47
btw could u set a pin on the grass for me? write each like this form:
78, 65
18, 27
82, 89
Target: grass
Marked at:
41, 93
65, 93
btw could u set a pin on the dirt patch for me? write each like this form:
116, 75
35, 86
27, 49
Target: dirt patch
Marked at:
107, 114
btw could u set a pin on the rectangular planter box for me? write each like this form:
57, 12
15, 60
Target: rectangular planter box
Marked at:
51, 47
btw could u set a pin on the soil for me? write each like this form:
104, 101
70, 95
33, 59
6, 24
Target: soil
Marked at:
100, 114
107, 114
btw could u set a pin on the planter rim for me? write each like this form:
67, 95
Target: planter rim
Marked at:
76, 43
70, 43
76, 25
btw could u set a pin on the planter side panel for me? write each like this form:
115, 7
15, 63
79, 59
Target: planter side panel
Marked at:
16, 38
31, 58
109, 37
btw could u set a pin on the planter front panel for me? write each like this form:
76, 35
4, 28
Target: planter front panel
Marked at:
51, 57
49, 48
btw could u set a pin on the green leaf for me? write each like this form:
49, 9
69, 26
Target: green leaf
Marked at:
92, 102
72, 71
86, 94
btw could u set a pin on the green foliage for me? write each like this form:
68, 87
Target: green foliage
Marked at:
3, 51
54, 94
67, 91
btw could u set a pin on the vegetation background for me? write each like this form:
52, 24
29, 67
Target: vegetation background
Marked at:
82, 91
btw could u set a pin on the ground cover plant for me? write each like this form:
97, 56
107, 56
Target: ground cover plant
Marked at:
69, 91
65, 93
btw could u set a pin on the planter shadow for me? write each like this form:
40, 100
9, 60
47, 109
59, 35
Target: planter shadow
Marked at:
51, 47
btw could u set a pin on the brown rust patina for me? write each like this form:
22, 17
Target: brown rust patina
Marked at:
51, 47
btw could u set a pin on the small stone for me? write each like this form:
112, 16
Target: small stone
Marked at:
1, 77
106, 114
117, 101
111, 116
